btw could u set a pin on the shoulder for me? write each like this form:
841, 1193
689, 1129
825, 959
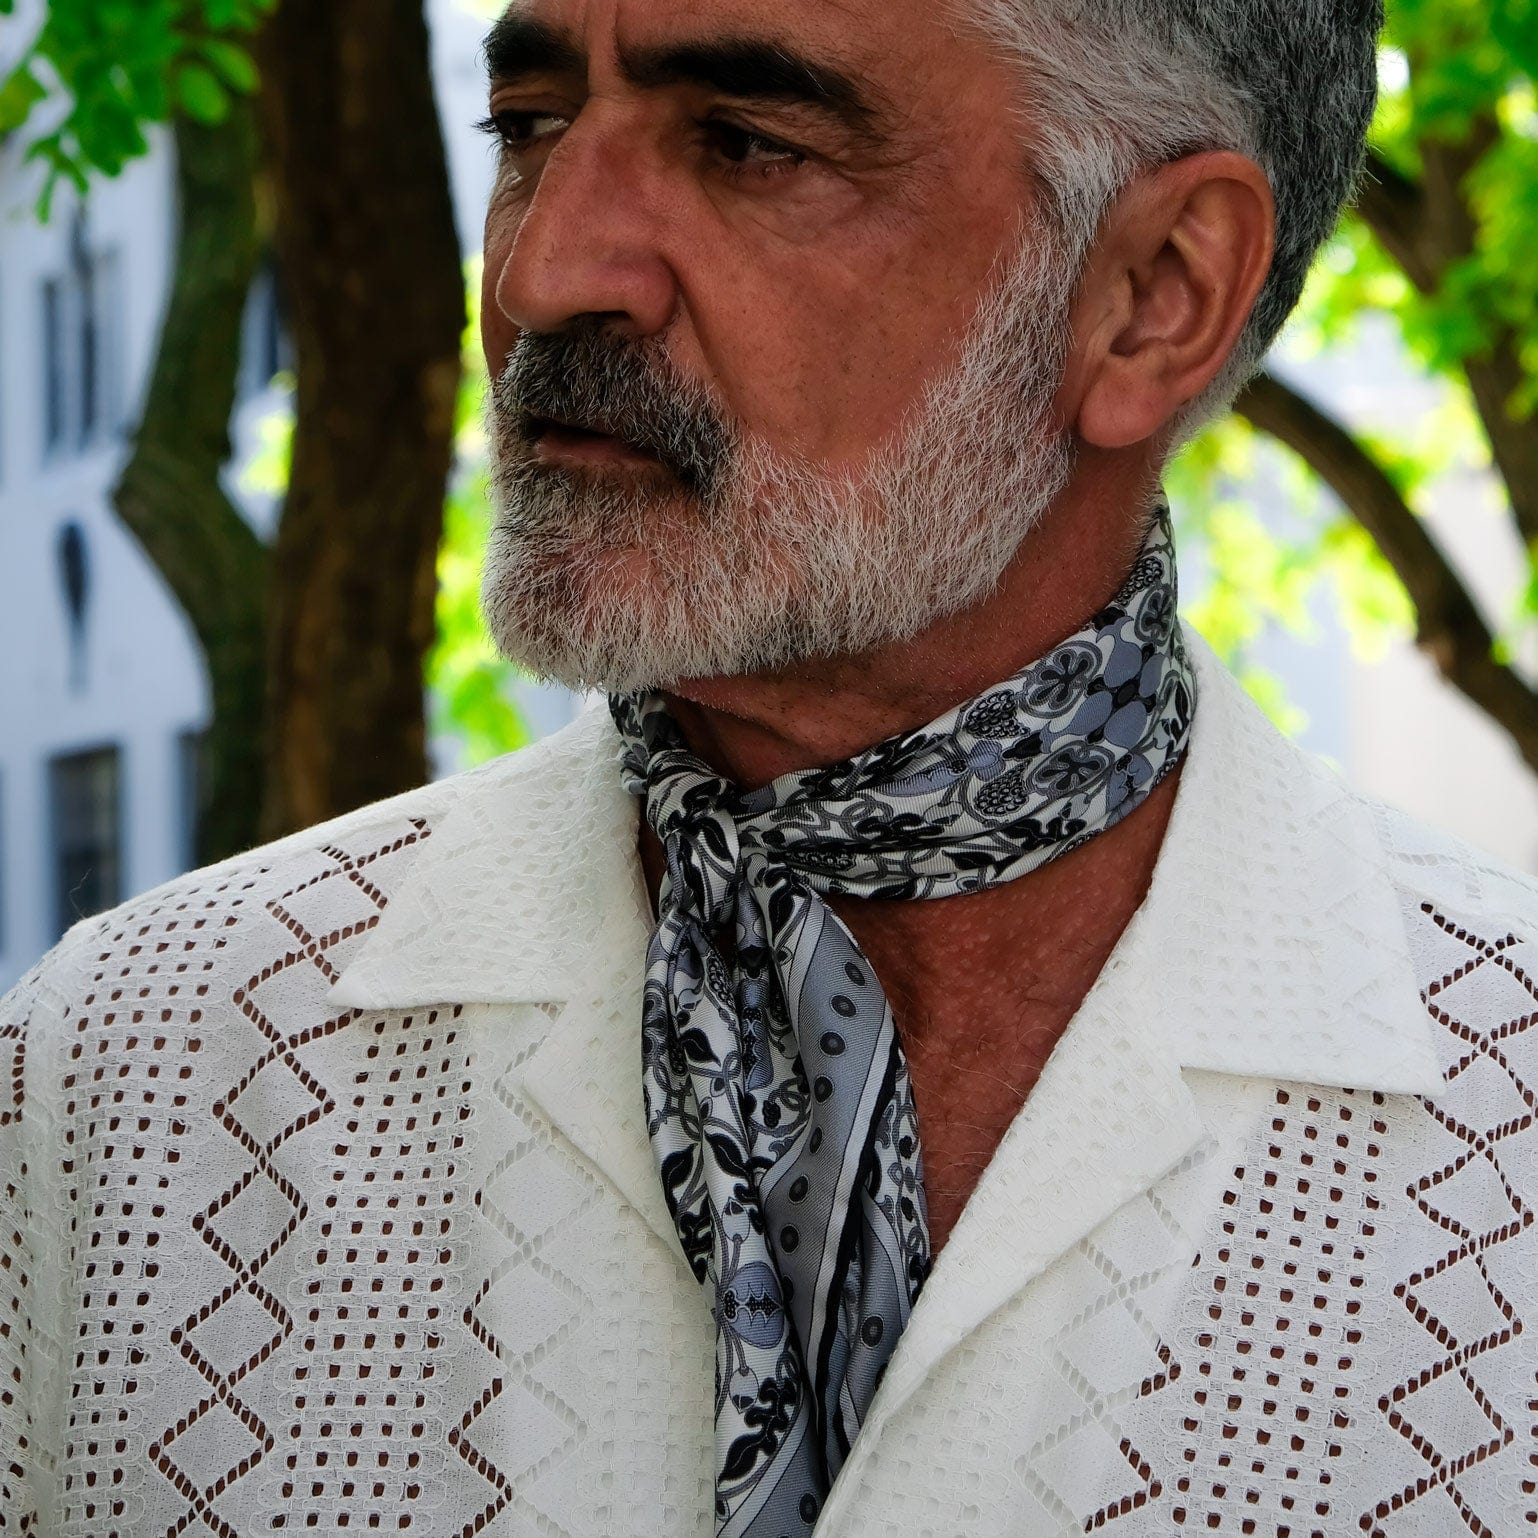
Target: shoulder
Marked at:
323, 870
301, 901
1273, 795
1470, 925
1438, 875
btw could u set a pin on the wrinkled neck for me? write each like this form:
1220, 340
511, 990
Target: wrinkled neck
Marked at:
756, 728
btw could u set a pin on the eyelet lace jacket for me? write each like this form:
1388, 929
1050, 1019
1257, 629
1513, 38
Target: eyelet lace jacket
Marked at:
326, 1201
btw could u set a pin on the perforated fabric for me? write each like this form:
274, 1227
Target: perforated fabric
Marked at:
326, 1203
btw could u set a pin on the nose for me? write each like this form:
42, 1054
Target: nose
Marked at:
587, 241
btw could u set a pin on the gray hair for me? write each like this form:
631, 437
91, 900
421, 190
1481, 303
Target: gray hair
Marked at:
1114, 87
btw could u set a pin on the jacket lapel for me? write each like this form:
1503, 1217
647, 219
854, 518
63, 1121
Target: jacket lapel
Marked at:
1269, 945
530, 892
586, 1078
1066, 1164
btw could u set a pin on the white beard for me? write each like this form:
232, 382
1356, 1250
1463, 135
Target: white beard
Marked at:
596, 585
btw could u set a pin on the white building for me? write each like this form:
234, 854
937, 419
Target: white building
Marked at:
101, 688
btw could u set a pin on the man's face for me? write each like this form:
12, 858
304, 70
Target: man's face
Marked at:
733, 251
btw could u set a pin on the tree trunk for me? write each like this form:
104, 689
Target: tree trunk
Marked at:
169, 494
364, 229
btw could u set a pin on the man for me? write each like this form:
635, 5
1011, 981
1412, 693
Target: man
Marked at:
928, 1058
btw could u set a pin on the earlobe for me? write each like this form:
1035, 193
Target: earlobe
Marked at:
1184, 254
1125, 403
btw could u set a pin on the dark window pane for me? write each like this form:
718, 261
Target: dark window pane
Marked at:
111, 386
90, 352
53, 363
192, 791
84, 791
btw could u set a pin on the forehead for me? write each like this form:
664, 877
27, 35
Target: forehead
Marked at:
886, 42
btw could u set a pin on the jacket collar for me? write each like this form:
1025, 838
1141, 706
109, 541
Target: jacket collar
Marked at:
1269, 946
531, 871
530, 891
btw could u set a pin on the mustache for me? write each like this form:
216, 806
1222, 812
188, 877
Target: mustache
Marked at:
594, 379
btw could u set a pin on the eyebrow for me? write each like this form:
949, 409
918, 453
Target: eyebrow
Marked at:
518, 46
753, 69
747, 68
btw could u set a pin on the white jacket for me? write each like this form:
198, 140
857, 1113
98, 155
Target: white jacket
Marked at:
326, 1203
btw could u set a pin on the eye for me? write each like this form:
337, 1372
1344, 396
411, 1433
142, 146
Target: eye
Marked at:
521, 130
745, 150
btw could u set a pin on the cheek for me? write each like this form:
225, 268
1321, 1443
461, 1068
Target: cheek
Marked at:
825, 341
498, 333
824, 351
496, 338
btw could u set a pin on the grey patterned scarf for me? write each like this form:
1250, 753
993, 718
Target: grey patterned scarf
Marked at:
777, 1093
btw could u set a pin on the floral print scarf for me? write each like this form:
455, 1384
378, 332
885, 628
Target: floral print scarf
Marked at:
778, 1099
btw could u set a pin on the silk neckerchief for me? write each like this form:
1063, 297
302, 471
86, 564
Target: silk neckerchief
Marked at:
777, 1094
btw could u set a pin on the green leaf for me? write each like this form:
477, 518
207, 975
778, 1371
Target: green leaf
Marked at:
201, 96
266, 471
21, 92
231, 63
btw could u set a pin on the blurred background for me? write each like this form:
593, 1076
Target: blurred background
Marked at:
242, 485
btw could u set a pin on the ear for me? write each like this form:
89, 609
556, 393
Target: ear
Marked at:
1182, 256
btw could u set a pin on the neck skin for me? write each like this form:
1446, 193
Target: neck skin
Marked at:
982, 987
755, 728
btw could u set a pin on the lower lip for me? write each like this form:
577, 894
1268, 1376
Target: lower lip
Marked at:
567, 446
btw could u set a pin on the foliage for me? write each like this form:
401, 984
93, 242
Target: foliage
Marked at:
109, 68
471, 687
1458, 79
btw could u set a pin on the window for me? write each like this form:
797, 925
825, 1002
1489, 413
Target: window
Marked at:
85, 802
191, 792
90, 284
54, 410
265, 346
82, 390
3, 386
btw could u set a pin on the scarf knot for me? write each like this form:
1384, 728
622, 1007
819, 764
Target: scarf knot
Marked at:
692, 812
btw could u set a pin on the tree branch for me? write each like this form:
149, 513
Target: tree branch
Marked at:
1426, 227
1393, 207
1449, 627
1451, 233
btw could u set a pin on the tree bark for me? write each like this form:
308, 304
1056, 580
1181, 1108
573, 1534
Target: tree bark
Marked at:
364, 229
169, 494
1449, 627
